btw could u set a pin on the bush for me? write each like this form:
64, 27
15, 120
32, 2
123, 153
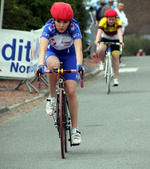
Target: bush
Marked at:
134, 43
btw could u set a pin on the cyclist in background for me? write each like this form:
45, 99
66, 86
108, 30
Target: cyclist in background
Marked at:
110, 30
61, 42
140, 53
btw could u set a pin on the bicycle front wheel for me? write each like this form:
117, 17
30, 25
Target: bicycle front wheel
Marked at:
66, 120
62, 125
108, 76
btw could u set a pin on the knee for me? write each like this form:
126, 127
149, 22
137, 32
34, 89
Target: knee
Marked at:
71, 94
52, 63
116, 57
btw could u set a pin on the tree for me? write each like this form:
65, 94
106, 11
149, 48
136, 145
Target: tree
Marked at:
30, 15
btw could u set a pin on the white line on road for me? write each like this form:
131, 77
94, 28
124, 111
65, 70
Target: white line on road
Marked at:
122, 70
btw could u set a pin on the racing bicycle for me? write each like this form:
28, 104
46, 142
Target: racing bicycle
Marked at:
61, 118
108, 74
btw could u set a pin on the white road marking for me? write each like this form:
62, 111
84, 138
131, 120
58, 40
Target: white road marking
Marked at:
134, 69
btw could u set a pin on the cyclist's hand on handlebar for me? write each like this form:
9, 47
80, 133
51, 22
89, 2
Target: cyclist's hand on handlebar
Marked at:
81, 71
81, 68
39, 71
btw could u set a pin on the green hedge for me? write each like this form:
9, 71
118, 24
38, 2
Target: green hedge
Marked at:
134, 43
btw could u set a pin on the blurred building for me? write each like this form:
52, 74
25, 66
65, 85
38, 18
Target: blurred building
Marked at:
137, 12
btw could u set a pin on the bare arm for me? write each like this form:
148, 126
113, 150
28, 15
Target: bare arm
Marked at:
79, 54
98, 36
78, 49
119, 32
43, 48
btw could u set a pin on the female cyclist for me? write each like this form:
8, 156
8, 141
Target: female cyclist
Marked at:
110, 29
61, 42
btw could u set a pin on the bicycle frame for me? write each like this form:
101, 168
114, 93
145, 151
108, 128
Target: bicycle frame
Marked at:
108, 63
62, 120
109, 73
108, 69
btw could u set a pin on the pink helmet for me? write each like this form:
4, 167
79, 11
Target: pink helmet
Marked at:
61, 11
110, 13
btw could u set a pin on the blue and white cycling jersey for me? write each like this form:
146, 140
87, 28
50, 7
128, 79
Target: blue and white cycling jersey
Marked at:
61, 45
61, 41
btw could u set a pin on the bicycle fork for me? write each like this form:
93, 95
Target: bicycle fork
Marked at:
108, 63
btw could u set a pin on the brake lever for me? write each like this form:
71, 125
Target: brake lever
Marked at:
39, 78
81, 76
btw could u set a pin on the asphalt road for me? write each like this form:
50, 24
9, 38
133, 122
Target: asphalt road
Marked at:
115, 128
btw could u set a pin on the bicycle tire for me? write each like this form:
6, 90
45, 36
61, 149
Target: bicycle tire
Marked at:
65, 119
62, 125
108, 76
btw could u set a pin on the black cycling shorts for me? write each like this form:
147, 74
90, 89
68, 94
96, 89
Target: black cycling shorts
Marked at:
114, 48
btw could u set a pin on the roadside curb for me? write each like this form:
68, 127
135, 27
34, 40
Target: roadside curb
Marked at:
44, 93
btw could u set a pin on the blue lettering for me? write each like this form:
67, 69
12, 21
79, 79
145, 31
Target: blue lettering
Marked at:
14, 67
22, 69
28, 69
20, 51
13, 49
28, 47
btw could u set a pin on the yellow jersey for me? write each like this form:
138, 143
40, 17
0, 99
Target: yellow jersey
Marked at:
109, 30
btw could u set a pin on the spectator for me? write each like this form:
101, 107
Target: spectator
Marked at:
140, 53
107, 6
115, 4
98, 11
122, 15
124, 21
94, 2
91, 20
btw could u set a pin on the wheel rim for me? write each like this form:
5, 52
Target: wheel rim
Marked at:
61, 126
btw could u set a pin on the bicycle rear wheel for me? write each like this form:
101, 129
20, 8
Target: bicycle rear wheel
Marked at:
63, 138
108, 76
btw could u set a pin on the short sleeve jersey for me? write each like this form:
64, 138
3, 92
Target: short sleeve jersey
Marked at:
61, 41
109, 31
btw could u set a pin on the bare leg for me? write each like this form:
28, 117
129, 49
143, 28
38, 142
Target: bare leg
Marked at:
116, 64
52, 61
70, 87
101, 52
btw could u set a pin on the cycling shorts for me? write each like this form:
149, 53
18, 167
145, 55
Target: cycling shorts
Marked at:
69, 62
114, 48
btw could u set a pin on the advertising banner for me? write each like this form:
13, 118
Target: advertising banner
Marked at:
19, 53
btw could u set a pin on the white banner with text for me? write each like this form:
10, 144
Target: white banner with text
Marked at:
19, 53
